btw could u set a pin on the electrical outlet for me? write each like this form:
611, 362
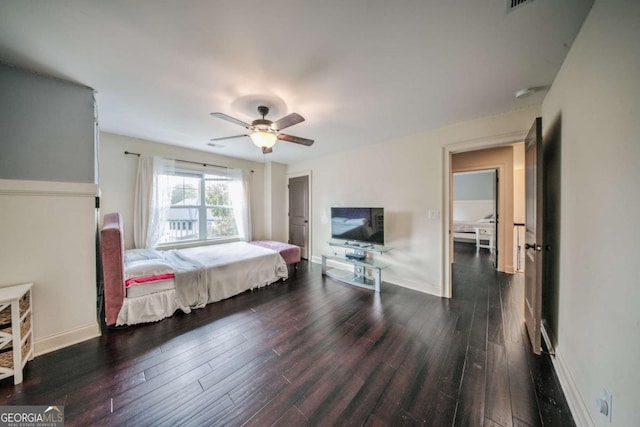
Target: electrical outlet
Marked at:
434, 214
604, 403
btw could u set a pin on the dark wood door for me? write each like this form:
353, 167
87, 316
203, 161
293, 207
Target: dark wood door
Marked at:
299, 214
533, 234
496, 195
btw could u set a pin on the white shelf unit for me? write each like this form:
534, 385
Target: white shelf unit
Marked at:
16, 330
367, 272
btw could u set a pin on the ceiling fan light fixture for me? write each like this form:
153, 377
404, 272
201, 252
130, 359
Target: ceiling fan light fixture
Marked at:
263, 139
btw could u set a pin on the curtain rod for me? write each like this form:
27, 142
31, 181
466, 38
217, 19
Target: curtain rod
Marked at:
186, 161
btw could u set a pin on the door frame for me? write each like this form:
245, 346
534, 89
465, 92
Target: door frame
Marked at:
306, 173
447, 190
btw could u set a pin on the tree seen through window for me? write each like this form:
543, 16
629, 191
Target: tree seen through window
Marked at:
201, 208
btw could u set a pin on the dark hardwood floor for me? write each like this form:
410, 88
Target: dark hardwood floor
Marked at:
311, 351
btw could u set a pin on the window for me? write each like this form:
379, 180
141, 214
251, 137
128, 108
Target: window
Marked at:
201, 207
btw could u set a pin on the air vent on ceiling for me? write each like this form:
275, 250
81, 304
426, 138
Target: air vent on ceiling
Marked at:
514, 4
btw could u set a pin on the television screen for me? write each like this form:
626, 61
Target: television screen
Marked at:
358, 224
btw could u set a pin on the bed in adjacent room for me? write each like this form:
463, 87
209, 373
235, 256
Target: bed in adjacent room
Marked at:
145, 285
474, 221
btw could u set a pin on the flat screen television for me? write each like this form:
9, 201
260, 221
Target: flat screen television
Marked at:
365, 225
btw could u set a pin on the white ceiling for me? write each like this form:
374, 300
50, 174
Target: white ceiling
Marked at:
360, 71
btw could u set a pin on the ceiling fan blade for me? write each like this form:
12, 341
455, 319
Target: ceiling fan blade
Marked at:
296, 139
228, 137
286, 121
231, 119
267, 150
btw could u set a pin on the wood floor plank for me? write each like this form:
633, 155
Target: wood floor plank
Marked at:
325, 402
471, 400
241, 410
495, 324
364, 402
193, 358
293, 417
442, 412
403, 384
498, 392
298, 387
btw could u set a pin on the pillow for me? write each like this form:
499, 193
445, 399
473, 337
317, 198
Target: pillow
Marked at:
337, 219
145, 268
132, 255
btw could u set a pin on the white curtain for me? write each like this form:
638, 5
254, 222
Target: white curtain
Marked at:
241, 202
152, 200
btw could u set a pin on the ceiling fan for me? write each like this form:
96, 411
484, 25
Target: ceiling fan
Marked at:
264, 133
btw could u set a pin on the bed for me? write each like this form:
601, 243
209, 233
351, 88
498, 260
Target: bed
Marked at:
474, 221
145, 285
471, 226
482, 232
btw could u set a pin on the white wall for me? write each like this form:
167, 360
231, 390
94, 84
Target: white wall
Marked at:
596, 97
118, 177
275, 193
404, 176
48, 238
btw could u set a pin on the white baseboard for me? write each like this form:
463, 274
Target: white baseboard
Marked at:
65, 339
572, 394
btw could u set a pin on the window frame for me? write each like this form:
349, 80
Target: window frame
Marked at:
202, 207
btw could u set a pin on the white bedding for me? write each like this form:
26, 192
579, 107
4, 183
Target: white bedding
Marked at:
202, 275
148, 308
142, 289
233, 268
470, 226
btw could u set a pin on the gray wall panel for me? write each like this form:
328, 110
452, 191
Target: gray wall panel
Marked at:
47, 128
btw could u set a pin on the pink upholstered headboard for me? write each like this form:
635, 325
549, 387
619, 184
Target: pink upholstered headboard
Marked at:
112, 245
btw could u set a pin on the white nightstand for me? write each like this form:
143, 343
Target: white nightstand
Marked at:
16, 330
485, 234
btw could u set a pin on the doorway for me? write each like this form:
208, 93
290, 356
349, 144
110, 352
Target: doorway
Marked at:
475, 214
299, 213
482, 154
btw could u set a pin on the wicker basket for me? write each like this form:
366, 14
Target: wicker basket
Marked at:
6, 358
24, 302
25, 325
5, 315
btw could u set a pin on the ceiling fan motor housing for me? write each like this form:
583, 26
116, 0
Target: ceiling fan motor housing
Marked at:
262, 124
